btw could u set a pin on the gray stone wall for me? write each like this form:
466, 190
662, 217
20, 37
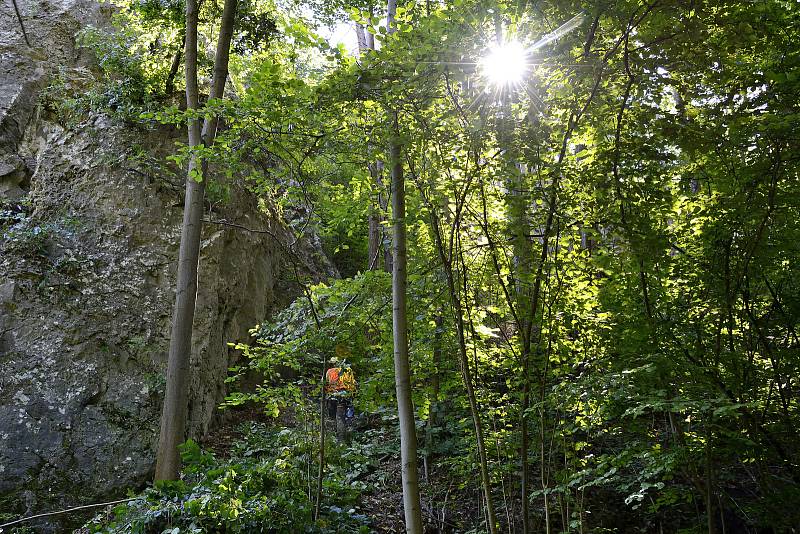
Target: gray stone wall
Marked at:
89, 230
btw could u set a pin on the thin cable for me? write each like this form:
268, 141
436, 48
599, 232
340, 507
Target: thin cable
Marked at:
22, 520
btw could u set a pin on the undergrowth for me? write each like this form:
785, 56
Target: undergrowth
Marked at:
266, 485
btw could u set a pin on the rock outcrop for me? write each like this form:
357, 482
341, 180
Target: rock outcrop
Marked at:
89, 232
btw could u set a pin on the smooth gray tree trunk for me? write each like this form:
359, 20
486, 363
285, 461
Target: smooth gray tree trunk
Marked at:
176, 397
405, 408
402, 375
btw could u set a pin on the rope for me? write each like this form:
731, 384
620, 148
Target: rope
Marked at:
22, 520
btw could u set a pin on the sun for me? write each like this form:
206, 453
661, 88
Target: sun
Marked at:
505, 64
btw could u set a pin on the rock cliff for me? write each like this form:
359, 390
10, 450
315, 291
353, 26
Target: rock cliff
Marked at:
89, 231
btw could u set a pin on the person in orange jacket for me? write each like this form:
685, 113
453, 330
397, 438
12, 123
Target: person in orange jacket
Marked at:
340, 385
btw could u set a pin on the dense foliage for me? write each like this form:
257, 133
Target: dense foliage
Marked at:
264, 486
612, 243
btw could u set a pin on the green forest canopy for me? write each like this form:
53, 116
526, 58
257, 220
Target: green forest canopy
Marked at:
611, 237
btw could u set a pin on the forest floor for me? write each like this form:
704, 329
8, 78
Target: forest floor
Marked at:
382, 498
250, 458
382, 502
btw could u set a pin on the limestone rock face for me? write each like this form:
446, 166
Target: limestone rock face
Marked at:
89, 231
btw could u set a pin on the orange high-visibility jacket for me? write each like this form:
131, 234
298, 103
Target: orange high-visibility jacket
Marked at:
338, 380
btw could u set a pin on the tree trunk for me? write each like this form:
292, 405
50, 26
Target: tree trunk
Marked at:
169, 84
361, 37
370, 37
383, 207
402, 375
709, 495
405, 409
176, 397
458, 316
366, 42
519, 228
391, 10
374, 236
433, 403
473, 402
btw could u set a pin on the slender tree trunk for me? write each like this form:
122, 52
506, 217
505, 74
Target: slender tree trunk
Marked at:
711, 521
405, 408
519, 229
433, 404
366, 42
391, 10
383, 206
446, 257
543, 472
321, 467
322, 401
173, 418
473, 403
341, 421
169, 84
176, 398
374, 236
524, 446
402, 375
361, 38
486, 481
220, 72
458, 316
369, 36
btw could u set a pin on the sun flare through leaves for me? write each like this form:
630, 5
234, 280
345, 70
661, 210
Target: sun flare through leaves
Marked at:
505, 64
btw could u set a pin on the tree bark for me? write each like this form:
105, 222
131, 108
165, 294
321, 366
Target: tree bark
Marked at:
361, 38
405, 408
169, 84
391, 10
374, 236
433, 402
322, 401
370, 37
402, 376
458, 316
176, 397
366, 42
519, 228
